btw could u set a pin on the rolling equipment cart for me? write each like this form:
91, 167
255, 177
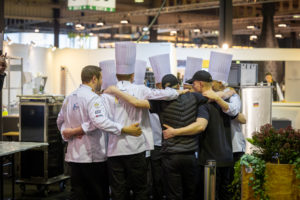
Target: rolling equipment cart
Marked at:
42, 166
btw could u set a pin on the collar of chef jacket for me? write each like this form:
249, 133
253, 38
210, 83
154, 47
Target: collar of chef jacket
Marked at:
85, 86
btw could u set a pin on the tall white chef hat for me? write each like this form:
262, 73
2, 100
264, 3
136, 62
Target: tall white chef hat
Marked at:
139, 73
109, 78
192, 66
125, 53
219, 66
161, 66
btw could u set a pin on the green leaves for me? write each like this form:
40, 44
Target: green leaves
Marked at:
250, 140
275, 146
256, 182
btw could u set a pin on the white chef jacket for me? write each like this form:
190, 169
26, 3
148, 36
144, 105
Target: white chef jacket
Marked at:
156, 128
126, 114
84, 107
237, 136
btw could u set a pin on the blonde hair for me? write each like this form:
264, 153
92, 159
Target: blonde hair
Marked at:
207, 84
218, 86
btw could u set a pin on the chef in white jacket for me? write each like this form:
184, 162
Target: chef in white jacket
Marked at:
126, 154
161, 66
86, 153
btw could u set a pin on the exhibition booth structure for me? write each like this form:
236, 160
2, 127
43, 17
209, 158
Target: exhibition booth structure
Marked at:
48, 73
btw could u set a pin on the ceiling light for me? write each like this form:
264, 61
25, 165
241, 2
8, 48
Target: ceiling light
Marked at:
138, 1
196, 30
78, 25
216, 32
36, 30
278, 35
173, 32
251, 27
91, 34
282, 25
100, 24
296, 16
145, 29
124, 21
253, 37
225, 46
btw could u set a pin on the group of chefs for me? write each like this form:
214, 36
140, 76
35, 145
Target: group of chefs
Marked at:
113, 136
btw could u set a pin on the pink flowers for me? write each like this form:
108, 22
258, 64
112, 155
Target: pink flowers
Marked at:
285, 143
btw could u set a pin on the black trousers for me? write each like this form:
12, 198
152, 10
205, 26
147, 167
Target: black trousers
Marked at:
128, 173
180, 174
89, 181
158, 179
223, 180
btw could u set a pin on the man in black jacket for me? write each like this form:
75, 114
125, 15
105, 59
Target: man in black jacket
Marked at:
215, 141
179, 160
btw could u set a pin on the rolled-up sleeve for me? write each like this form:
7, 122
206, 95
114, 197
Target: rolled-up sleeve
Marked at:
99, 119
62, 130
234, 105
158, 94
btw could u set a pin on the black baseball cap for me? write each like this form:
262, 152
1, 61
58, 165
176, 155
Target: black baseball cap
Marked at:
200, 76
169, 80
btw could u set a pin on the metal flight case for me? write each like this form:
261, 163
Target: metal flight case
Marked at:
42, 166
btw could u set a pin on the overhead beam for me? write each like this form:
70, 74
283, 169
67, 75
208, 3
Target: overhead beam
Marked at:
173, 9
36, 4
215, 23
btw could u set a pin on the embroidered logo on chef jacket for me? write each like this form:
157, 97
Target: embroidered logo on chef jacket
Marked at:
99, 115
75, 107
96, 105
97, 111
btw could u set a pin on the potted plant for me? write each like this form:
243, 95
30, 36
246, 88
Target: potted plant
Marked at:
272, 171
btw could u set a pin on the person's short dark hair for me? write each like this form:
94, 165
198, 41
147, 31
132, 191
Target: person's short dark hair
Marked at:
169, 80
200, 76
268, 74
88, 72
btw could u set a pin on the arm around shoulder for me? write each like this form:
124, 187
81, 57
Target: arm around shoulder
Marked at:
128, 98
192, 129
